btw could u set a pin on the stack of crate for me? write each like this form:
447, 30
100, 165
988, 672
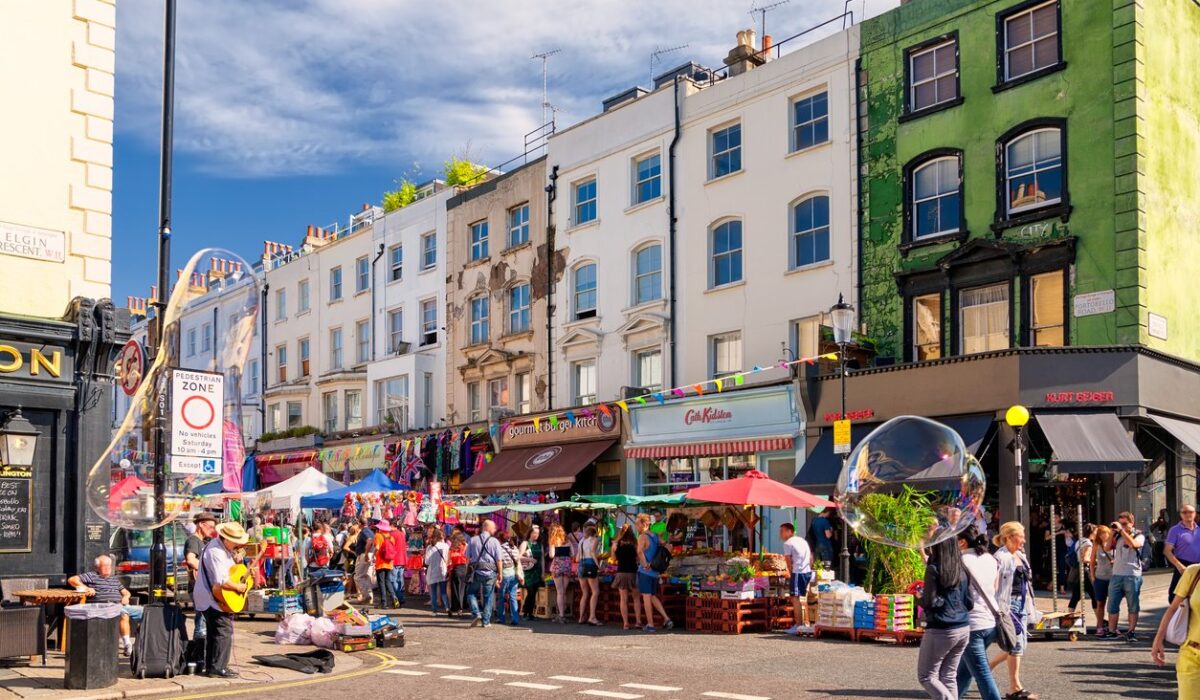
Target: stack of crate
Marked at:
894, 613
711, 613
864, 614
832, 612
780, 613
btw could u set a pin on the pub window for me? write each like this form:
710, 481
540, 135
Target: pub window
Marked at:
927, 327
1033, 171
936, 197
983, 318
1047, 310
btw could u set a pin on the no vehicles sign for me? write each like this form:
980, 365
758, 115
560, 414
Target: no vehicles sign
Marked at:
197, 400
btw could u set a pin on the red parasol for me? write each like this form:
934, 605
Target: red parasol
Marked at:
757, 489
123, 489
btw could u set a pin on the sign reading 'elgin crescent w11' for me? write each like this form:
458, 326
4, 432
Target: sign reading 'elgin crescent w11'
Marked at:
197, 422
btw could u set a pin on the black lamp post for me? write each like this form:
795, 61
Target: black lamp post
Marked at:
842, 315
1017, 418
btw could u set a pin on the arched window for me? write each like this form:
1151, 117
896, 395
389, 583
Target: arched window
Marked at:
810, 231
1033, 170
585, 291
936, 197
480, 312
647, 274
726, 247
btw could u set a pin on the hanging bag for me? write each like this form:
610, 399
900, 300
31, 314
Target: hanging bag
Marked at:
1006, 631
1177, 628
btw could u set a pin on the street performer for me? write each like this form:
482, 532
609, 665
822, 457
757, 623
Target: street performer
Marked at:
215, 564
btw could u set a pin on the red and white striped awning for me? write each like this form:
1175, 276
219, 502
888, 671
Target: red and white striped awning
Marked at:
712, 449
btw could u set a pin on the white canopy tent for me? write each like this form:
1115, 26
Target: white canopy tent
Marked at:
286, 495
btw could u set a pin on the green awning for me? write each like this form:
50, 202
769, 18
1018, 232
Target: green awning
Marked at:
671, 499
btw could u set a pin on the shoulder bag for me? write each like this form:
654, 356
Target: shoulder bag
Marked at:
1006, 631
1177, 628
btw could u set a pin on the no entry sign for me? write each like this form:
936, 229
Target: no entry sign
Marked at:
197, 420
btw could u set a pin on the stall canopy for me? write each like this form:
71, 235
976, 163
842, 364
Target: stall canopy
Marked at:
620, 499
286, 495
823, 467
485, 508
755, 488
374, 482
551, 468
208, 488
1090, 443
1187, 433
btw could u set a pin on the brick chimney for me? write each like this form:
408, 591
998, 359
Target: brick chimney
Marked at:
745, 56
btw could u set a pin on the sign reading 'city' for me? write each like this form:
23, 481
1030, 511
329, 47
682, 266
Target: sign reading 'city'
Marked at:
197, 420
33, 243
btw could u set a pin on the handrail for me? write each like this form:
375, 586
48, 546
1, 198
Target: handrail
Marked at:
777, 47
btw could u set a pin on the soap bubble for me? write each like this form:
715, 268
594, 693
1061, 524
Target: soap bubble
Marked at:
120, 485
911, 483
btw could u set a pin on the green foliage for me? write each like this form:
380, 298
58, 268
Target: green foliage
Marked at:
461, 172
909, 512
400, 198
299, 431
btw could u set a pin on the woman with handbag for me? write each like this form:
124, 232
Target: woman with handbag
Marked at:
1014, 592
983, 571
948, 604
1181, 625
589, 576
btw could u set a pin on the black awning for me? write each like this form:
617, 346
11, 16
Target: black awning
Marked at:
1090, 443
1183, 431
822, 469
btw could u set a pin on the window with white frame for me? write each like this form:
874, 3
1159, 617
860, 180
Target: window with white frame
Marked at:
585, 201
518, 225
518, 308
252, 378
806, 337
585, 291
927, 327
479, 320
395, 330
335, 283
354, 419
669, 475
474, 410
329, 410
1033, 170
275, 418
335, 348
362, 274
726, 247
362, 340
304, 347
524, 392
303, 297
647, 274
725, 147
429, 251
479, 240
497, 394
191, 342
933, 75
983, 318
391, 399
280, 304
810, 231
936, 198
583, 382
395, 263
427, 398
647, 369
1047, 309
429, 329
1031, 40
725, 354
281, 363
647, 178
295, 414
810, 121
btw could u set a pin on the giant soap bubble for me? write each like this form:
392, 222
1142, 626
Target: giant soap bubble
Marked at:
910, 483
120, 486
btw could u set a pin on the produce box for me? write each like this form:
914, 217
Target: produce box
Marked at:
277, 534
351, 644
347, 613
738, 595
256, 601
389, 638
349, 629
378, 622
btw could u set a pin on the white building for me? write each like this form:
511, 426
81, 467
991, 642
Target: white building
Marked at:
407, 372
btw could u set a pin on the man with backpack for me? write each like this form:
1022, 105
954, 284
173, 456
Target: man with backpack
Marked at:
388, 555
483, 559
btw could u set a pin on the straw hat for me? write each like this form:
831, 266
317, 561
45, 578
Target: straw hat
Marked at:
233, 532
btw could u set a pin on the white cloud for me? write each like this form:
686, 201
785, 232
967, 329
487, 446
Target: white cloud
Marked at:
287, 87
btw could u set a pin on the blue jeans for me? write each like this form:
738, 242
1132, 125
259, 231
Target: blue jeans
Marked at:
437, 591
974, 665
387, 594
398, 585
508, 594
1127, 587
200, 629
483, 584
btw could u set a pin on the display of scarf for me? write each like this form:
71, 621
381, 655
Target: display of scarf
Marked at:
439, 456
455, 450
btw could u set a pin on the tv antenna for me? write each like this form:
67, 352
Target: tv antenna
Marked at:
657, 56
547, 108
762, 13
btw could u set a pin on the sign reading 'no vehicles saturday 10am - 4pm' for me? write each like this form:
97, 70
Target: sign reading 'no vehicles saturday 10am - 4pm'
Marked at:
197, 408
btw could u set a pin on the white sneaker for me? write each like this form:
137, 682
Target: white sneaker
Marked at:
807, 630
127, 647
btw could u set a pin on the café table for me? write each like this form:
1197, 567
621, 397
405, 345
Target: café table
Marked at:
54, 600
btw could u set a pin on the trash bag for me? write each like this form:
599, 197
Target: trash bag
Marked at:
322, 633
294, 629
94, 611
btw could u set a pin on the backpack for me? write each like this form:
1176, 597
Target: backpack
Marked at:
390, 553
320, 551
661, 560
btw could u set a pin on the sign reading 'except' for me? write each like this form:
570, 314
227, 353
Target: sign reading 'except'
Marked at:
197, 418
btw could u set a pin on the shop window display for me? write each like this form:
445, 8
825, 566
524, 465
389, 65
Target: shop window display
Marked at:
673, 474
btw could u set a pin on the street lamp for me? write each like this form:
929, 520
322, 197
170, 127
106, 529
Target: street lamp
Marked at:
842, 315
1017, 417
18, 441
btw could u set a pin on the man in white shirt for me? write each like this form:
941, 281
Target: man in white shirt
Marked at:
1126, 582
215, 562
799, 559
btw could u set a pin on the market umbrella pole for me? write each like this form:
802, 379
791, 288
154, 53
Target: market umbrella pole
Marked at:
1053, 562
1079, 564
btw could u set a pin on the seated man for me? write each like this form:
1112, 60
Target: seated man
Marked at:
107, 588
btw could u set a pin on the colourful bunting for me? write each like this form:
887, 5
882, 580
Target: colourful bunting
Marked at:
662, 400
699, 389
537, 422
605, 410
679, 392
624, 406
739, 379
641, 400
571, 417
553, 422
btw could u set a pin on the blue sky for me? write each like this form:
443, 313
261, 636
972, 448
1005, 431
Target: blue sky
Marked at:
296, 112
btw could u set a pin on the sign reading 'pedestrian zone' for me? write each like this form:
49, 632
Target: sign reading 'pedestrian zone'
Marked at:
197, 417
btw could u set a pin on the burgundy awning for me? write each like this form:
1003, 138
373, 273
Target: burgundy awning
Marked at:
551, 468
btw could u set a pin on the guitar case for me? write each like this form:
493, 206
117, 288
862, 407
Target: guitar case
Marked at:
158, 651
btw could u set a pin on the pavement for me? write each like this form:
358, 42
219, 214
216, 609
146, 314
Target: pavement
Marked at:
445, 658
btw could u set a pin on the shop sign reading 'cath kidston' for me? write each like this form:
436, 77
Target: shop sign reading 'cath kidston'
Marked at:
197, 400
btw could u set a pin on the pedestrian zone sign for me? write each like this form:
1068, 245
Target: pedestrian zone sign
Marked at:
197, 420
841, 437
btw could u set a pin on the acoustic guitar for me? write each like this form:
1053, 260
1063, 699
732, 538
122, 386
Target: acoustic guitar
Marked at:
231, 601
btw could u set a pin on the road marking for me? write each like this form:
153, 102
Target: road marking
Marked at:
468, 679
207, 694
611, 694
406, 672
656, 688
733, 696
447, 667
398, 662
502, 672
575, 679
534, 686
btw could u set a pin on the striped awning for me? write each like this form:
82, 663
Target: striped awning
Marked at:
712, 449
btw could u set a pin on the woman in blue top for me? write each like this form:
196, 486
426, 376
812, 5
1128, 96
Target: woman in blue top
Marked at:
948, 604
647, 579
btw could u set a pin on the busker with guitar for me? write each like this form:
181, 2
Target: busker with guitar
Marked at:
216, 581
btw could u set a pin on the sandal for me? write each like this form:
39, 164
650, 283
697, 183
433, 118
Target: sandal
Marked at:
595, 623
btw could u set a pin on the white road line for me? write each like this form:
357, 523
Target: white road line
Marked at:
611, 694
406, 672
534, 686
656, 688
398, 662
733, 696
468, 679
502, 672
447, 667
576, 679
